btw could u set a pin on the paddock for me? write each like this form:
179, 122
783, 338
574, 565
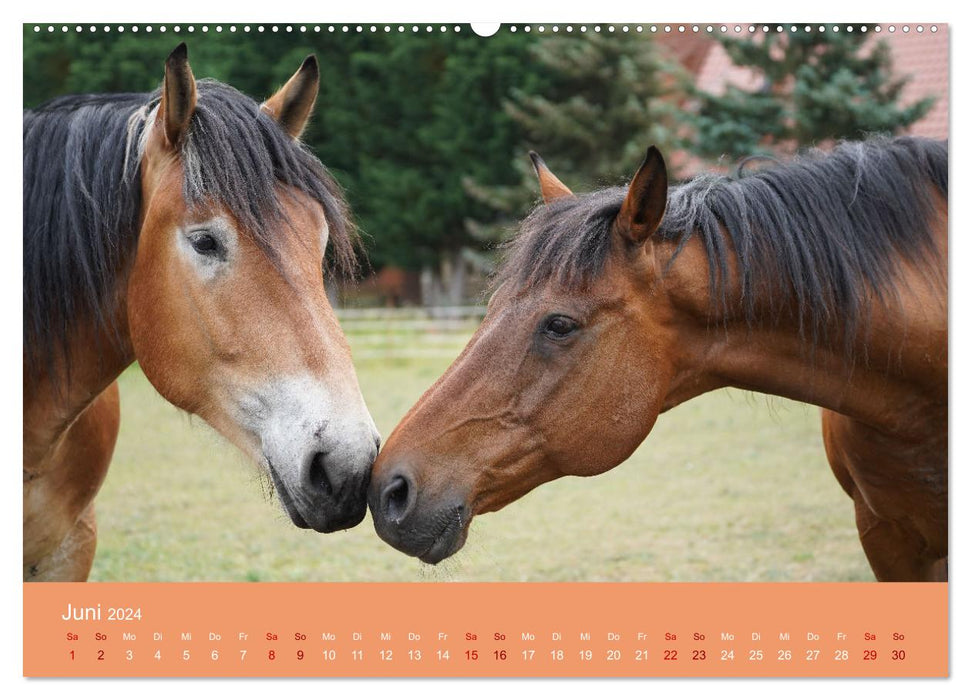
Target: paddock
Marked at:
753, 500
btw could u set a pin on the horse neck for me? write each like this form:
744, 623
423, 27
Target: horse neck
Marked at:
894, 370
55, 399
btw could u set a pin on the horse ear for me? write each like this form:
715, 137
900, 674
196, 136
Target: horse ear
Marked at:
646, 199
178, 95
292, 104
549, 184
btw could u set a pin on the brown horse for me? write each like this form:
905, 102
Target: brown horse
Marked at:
823, 280
186, 230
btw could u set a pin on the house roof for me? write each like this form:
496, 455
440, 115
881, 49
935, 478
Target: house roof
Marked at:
922, 58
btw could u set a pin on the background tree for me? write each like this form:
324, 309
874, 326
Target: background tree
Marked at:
427, 113
606, 99
816, 86
428, 132
400, 120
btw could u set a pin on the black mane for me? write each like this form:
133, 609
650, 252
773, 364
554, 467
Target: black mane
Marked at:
822, 234
82, 197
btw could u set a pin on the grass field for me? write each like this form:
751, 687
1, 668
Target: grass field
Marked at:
728, 487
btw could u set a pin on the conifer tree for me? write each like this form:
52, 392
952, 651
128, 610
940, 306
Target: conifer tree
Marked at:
815, 87
608, 98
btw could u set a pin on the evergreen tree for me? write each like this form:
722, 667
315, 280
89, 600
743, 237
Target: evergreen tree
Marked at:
608, 97
427, 112
816, 86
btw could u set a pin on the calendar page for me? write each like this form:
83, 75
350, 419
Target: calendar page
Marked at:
537, 350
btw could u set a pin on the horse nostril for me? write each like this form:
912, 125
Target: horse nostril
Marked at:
395, 499
317, 474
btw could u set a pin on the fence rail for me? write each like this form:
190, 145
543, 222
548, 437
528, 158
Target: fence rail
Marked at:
412, 312
409, 333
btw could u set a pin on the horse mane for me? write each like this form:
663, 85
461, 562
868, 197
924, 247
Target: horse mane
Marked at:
822, 234
82, 197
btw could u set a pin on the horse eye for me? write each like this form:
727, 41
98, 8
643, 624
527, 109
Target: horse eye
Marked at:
206, 244
558, 327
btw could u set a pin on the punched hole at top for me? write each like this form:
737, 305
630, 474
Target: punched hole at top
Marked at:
485, 28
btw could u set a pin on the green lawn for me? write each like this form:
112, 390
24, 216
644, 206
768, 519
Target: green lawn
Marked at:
728, 487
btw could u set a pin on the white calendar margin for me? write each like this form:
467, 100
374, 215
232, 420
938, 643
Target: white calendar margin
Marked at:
485, 11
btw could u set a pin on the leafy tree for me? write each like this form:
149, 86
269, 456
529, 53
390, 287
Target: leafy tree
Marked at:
816, 86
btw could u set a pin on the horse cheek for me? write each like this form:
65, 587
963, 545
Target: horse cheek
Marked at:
160, 339
625, 415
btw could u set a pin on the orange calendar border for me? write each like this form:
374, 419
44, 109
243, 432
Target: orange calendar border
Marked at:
415, 615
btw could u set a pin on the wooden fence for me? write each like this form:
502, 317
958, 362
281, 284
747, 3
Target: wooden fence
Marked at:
409, 333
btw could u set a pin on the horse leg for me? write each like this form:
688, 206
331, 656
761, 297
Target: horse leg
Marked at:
72, 560
60, 532
896, 552
900, 498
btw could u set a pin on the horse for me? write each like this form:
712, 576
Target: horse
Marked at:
187, 230
822, 280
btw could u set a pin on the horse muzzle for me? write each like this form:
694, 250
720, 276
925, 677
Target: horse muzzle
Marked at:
429, 527
318, 448
328, 492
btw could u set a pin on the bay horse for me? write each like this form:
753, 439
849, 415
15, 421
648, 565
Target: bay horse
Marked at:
823, 280
185, 230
